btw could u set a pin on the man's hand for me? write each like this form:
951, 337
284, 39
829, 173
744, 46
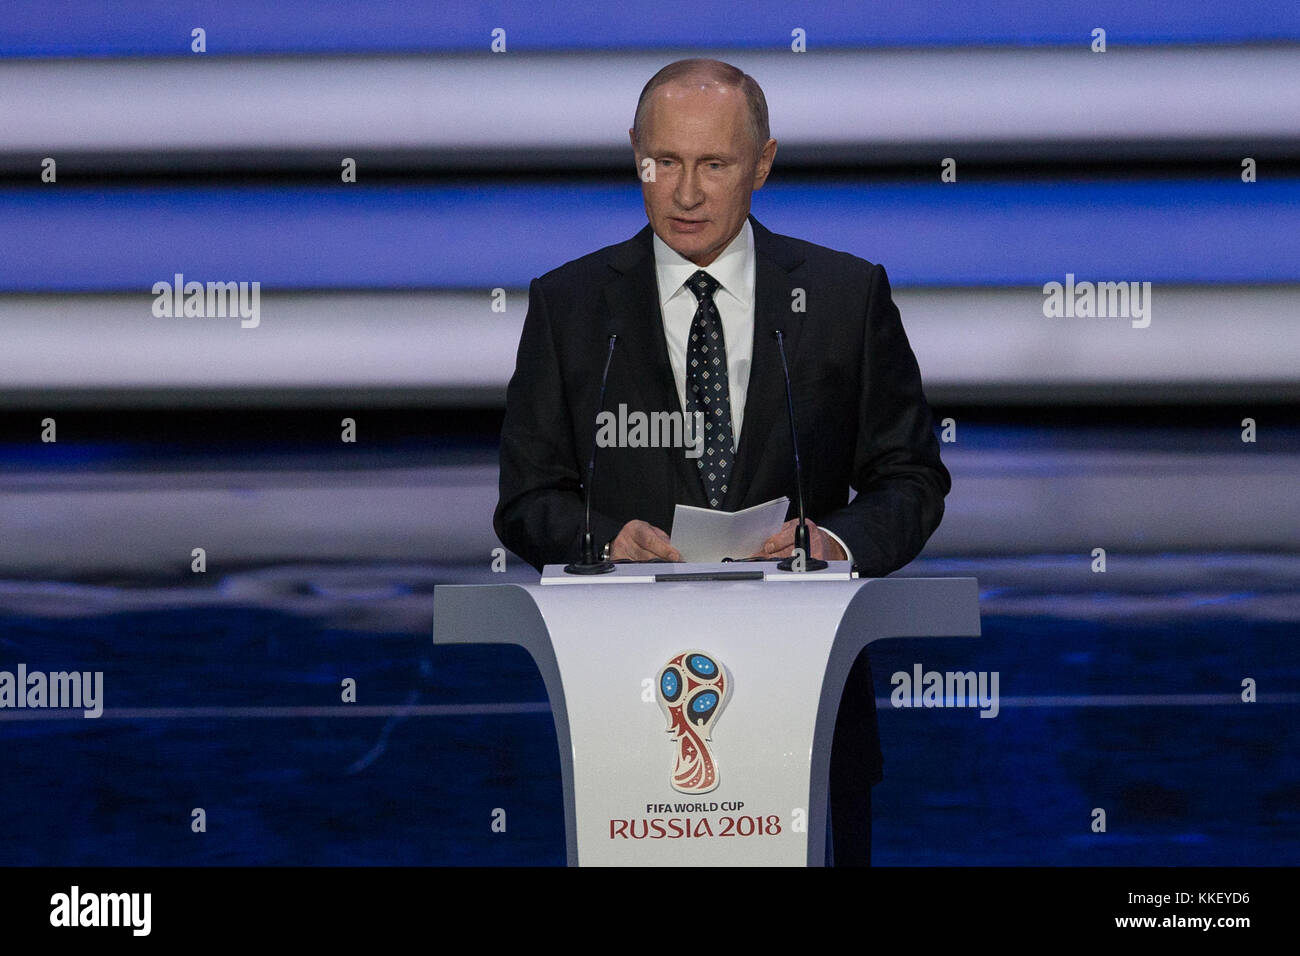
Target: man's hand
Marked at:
642, 541
781, 544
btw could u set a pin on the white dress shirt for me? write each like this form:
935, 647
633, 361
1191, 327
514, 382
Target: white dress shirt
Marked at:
734, 299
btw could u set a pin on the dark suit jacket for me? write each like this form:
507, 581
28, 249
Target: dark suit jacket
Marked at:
863, 420
863, 424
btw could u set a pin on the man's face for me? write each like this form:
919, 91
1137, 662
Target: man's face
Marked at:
706, 166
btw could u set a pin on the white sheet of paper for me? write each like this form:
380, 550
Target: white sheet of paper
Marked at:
702, 534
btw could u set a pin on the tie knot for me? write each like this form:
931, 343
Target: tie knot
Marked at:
702, 285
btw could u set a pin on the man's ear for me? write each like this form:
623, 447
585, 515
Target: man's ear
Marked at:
636, 153
765, 160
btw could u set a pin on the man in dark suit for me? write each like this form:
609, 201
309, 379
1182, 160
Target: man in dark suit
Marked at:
695, 299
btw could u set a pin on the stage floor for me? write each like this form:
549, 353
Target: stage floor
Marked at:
1119, 691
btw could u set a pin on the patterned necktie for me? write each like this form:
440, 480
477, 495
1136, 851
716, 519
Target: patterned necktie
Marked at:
707, 390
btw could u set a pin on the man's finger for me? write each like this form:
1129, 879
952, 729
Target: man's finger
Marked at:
782, 539
654, 543
773, 545
644, 553
781, 544
632, 550
671, 553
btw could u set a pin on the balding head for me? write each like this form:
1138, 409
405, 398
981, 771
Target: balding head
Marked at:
699, 74
702, 147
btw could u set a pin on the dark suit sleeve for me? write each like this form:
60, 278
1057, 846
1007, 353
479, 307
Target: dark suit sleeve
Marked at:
897, 474
539, 514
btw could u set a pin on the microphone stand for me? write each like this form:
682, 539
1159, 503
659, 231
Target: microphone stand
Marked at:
801, 535
588, 563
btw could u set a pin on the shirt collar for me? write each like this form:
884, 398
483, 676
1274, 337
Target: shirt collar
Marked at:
733, 269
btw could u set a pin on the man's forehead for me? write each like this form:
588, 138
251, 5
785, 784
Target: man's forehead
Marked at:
701, 91
694, 103
688, 85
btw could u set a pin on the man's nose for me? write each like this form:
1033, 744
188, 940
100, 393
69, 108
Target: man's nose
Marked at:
688, 193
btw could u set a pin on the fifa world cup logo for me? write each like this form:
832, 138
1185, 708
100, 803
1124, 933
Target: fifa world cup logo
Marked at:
693, 686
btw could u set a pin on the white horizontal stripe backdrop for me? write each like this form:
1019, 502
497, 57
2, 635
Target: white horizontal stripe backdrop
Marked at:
1223, 340
522, 102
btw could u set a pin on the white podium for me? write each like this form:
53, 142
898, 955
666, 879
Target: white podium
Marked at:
694, 717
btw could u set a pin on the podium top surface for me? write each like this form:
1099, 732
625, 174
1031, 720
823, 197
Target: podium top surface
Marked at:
678, 572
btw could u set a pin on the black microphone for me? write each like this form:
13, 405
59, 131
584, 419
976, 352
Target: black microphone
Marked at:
801, 538
589, 564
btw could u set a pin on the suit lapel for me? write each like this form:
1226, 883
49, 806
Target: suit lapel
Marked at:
633, 302
765, 395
